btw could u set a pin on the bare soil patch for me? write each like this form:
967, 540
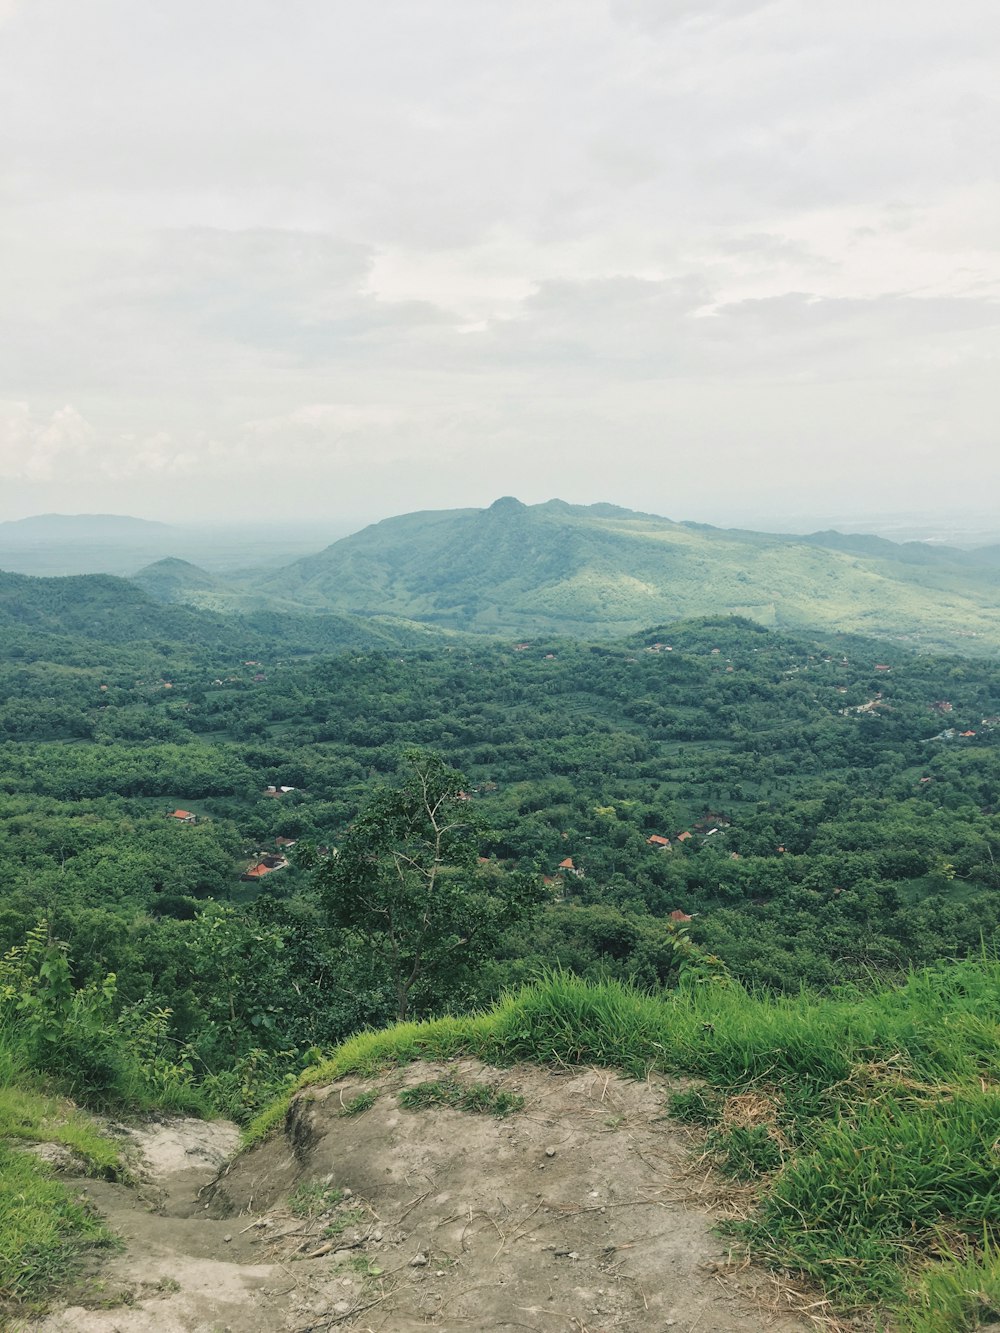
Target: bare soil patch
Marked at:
575, 1214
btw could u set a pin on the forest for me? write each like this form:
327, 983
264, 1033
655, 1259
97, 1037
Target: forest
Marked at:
810, 812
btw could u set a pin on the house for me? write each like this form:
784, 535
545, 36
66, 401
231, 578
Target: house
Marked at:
655, 840
683, 837
183, 816
968, 733
880, 666
264, 866
678, 915
570, 869
284, 842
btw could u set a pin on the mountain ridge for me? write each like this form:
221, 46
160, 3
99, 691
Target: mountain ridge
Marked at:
601, 570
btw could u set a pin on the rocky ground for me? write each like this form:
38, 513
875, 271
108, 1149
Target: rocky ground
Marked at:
579, 1212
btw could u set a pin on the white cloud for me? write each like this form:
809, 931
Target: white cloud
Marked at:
36, 448
425, 252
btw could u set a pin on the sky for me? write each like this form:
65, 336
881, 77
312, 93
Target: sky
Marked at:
315, 260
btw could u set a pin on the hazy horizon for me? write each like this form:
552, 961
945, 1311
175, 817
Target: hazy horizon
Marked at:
731, 261
937, 527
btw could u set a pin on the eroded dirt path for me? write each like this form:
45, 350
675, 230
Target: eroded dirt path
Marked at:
573, 1215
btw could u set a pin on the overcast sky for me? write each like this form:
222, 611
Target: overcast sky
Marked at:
708, 258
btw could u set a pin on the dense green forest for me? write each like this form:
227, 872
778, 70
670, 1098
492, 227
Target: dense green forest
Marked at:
778, 801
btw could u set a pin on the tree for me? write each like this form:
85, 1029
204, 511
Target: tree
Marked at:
407, 882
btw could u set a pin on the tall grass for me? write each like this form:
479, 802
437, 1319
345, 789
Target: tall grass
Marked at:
890, 1192
43, 1228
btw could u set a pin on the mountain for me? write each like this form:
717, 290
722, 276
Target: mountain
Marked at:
175, 580
101, 528
599, 570
113, 611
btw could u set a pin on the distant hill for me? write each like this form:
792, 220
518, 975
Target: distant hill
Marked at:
600, 570
114, 611
174, 580
101, 528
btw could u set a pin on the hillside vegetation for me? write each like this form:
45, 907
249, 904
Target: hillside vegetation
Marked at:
709, 808
600, 570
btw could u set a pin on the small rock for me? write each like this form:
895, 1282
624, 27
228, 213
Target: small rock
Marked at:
550, 1152
419, 1261
227, 1239
376, 1235
348, 1193
342, 1307
439, 1273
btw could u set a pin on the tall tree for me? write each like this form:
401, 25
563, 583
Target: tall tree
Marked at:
408, 883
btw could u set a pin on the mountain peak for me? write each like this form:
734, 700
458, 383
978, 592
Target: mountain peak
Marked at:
507, 504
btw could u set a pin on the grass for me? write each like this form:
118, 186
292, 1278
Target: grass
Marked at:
364, 1101
44, 1230
871, 1121
481, 1098
313, 1198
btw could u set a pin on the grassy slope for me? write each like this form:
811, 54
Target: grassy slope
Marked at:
43, 1228
885, 1118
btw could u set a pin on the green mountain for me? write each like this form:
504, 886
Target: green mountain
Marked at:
601, 570
174, 580
114, 611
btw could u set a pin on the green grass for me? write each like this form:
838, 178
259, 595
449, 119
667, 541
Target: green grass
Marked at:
37, 1118
480, 1098
44, 1230
880, 1174
364, 1101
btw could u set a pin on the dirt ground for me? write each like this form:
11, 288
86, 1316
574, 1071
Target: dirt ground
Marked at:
577, 1214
